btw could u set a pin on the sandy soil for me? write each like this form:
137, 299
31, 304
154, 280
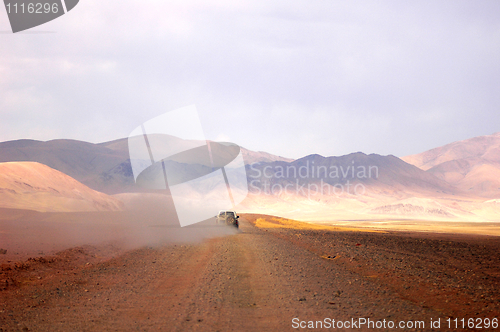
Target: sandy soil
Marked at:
426, 226
256, 279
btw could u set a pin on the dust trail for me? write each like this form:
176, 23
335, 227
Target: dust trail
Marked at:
149, 220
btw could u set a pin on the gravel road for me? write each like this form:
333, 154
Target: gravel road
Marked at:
256, 280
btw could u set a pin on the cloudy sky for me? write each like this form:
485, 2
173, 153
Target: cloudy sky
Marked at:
287, 77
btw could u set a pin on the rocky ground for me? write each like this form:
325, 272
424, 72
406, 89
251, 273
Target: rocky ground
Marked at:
259, 279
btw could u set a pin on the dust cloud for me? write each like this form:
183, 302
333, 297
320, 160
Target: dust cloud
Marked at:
148, 220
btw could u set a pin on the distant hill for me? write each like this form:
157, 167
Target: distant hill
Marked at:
354, 187
104, 167
380, 174
472, 165
459, 181
82, 161
252, 157
34, 186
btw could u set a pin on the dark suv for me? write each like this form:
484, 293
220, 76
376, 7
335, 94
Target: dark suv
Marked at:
228, 217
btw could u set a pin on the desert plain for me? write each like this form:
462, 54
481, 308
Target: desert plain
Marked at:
83, 249
260, 277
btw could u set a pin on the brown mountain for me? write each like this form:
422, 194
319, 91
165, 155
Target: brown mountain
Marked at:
472, 165
83, 161
442, 184
104, 167
380, 174
34, 186
252, 157
354, 187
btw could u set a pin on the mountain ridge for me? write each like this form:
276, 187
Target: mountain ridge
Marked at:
472, 165
357, 164
102, 166
449, 189
34, 186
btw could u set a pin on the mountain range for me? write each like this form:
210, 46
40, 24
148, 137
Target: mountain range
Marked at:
104, 167
472, 165
458, 181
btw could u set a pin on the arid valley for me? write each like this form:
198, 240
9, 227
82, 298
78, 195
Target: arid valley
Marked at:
260, 277
83, 248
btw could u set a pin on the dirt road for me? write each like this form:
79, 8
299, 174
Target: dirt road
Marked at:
257, 280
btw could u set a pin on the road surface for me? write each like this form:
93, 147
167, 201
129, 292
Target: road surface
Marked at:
260, 279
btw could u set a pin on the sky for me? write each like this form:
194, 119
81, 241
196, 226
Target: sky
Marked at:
290, 78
